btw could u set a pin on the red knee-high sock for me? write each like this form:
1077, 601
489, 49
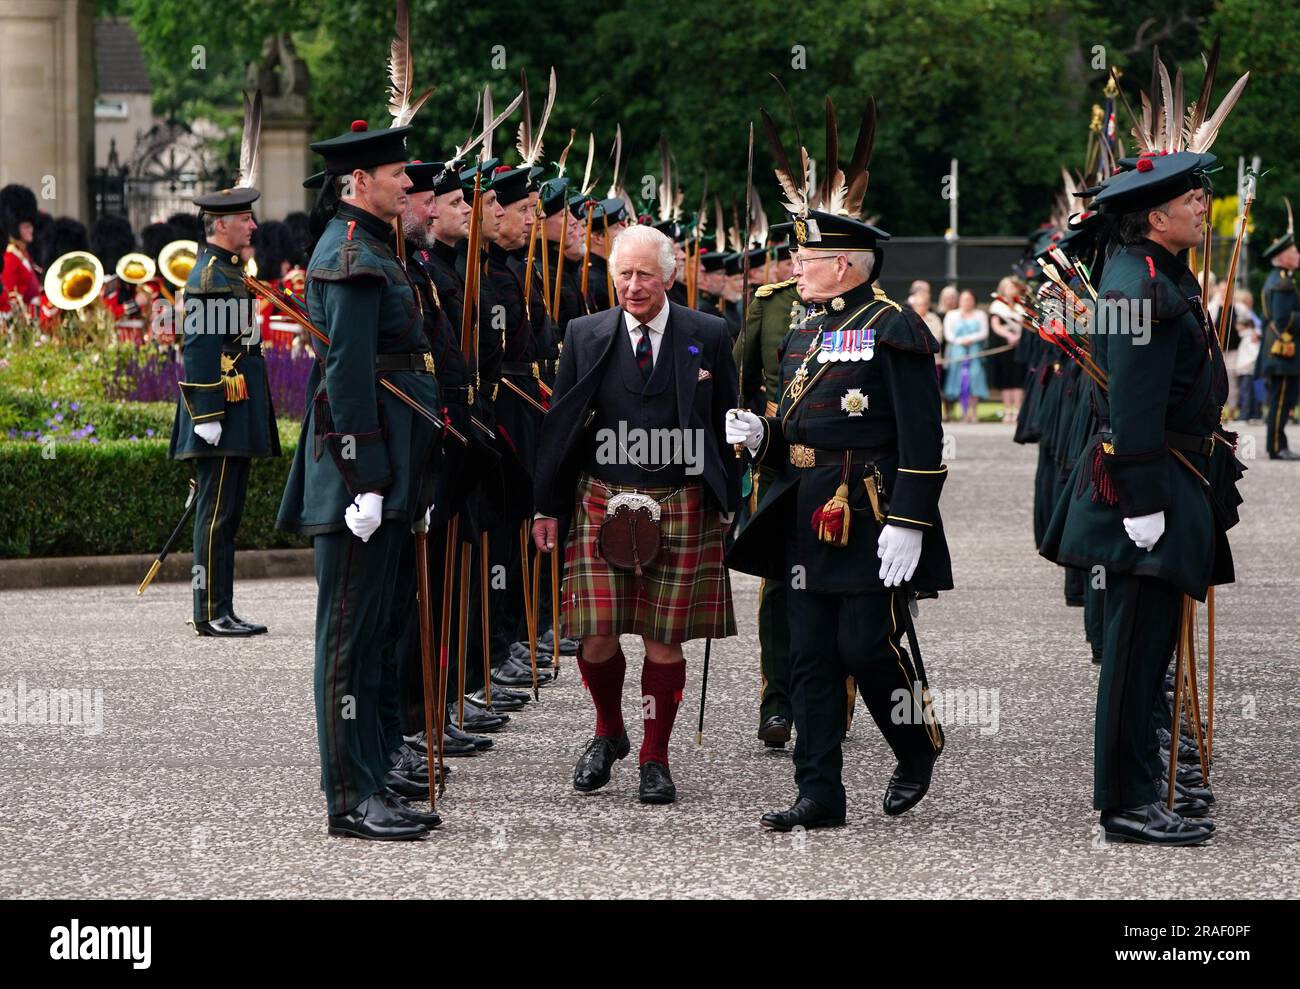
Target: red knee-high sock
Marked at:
605, 684
661, 695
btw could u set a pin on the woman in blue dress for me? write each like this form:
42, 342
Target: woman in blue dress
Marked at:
966, 329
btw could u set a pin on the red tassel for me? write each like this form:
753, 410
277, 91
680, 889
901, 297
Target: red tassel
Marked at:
831, 521
1103, 488
1151, 267
677, 697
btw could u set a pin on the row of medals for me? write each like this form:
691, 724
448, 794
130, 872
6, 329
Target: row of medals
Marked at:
834, 345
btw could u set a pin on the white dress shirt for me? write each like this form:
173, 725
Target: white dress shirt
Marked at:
656, 327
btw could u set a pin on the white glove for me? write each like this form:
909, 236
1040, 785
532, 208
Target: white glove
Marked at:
899, 550
364, 515
209, 431
1146, 530
744, 427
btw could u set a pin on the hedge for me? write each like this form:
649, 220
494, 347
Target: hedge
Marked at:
24, 411
119, 496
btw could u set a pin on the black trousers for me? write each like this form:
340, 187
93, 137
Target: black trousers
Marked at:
1283, 390
838, 636
222, 483
355, 587
1140, 633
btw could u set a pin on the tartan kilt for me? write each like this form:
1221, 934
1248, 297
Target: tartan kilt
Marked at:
685, 595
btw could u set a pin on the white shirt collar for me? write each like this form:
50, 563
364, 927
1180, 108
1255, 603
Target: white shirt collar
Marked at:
657, 325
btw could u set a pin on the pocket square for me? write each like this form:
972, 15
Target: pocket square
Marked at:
705, 374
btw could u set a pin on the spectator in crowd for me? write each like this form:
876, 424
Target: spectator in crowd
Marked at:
965, 329
1249, 333
919, 300
1005, 371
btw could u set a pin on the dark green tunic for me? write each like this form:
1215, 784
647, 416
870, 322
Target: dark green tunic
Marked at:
358, 436
219, 342
1165, 399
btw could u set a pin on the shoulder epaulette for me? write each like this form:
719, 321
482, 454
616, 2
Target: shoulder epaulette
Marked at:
212, 280
882, 297
763, 291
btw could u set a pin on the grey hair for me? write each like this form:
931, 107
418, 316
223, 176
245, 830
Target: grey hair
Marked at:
646, 236
863, 262
210, 224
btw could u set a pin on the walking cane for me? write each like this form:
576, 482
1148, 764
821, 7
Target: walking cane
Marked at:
535, 604
171, 540
425, 606
704, 691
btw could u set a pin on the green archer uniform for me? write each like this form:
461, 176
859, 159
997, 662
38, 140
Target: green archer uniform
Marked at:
359, 436
1166, 392
767, 324
225, 383
1280, 354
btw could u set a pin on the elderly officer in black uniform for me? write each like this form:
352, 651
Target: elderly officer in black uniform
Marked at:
224, 417
1153, 495
858, 441
1279, 356
360, 474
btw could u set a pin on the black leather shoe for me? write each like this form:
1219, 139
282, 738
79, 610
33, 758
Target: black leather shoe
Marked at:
1153, 825
805, 813
775, 732
596, 761
1189, 806
520, 656
429, 818
512, 674
907, 786
480, 743
523, 667
376, 820
477, 720
410, 787
501, 703
223, 627
489, 713
255, 628
408, 762
1284, 455
1184, 790
500, 695
417, 744
568, 647
656, 784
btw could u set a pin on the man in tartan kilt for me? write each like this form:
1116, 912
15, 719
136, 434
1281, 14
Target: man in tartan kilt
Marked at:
647, 369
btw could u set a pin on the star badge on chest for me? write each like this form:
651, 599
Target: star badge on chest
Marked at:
854, 402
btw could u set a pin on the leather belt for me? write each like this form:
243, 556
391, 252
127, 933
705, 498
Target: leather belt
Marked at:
1190, 442
808, 456
421, 362
526, 369
459, 394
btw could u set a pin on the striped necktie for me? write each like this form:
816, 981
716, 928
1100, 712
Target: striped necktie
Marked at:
645, 358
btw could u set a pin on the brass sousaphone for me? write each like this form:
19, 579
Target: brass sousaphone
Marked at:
136, 268
176, 261
74, 280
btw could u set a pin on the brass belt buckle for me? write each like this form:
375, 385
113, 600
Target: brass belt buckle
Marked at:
428, 362
802, 456
470, 399
536, 370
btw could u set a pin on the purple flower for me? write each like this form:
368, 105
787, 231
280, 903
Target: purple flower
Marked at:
59, 417
90, 426
149, 432
95, 439
693, 349
75, 407
54, 405
136, 439
13, 433
28, 434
